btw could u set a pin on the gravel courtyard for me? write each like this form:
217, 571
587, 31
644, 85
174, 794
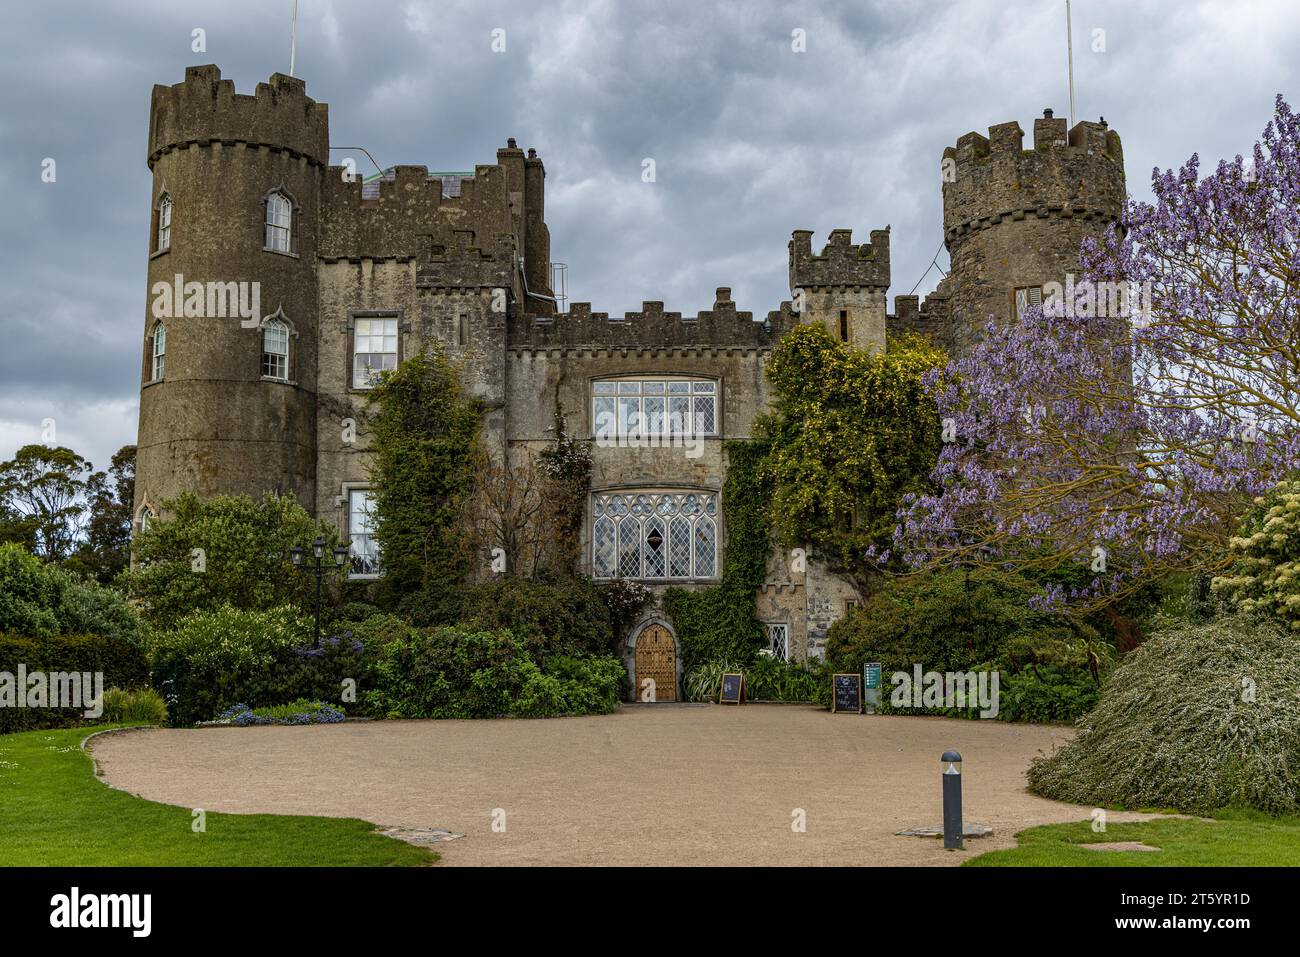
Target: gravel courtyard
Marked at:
651, 785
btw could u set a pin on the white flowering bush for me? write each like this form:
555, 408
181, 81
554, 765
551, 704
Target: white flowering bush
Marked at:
214, 659
1197, 718
1265, 578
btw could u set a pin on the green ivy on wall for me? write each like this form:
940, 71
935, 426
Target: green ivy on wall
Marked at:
718, 623
424, 433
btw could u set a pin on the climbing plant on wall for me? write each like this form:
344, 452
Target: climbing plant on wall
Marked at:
850, 433
424, 433
567, 466
718, 623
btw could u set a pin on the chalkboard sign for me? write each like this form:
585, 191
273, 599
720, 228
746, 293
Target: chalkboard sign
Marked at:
847, 693
733, 689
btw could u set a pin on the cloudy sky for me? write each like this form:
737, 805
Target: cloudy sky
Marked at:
750, 138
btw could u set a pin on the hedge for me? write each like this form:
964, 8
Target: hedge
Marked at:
121, 660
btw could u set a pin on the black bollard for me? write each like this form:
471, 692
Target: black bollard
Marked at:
952, 829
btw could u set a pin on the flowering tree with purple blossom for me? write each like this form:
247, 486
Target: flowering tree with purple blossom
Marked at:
1133, 438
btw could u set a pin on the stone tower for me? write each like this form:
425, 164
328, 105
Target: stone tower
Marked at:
1013, 218
213, 422
844, 286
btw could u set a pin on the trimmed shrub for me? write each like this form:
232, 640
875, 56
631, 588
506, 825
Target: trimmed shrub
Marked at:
1199, 717
122, 661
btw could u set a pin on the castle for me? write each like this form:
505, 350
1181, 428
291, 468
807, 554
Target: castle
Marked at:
352, 277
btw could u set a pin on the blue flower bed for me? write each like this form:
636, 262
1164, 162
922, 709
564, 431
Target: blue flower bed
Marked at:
296, 713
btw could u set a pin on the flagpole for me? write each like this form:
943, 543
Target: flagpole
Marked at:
1069, 48
293, 38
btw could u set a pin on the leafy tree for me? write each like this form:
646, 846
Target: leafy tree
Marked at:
1133, 437
48, 488
106, 550
850, 433
40, 600
424, 438
207, 553
16, 528
1263, 578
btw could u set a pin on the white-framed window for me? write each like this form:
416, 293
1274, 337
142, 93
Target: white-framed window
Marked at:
654, 535
660, 406
158, 352
1027, 296
146, 516
361, 534
279, 223
164, 240
275, 350
374, 350
778, 639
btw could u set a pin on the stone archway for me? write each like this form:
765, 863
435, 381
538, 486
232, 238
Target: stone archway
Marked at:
654, 654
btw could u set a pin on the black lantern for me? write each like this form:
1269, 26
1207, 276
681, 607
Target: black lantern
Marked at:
297, 553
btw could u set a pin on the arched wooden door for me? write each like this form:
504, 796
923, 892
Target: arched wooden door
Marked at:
656, 660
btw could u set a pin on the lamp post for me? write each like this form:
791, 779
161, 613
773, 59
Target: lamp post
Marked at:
318, 552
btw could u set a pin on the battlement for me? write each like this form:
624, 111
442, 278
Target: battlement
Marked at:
1069, 173
929, 317
841, 262
406, 213
723, 326
206, 109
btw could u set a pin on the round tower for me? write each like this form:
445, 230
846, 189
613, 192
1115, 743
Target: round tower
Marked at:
227, 403
1013, 218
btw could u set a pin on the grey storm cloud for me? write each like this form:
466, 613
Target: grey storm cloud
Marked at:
749, 138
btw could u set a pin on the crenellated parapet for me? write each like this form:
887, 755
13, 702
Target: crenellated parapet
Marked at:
1074, 174
405, 213
841, 263
205, 109
930, 317
722, 326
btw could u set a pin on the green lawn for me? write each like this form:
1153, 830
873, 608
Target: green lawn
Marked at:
1233, 839
53, 811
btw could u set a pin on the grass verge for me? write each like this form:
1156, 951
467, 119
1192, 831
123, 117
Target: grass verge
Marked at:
1231, 839
53, 811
